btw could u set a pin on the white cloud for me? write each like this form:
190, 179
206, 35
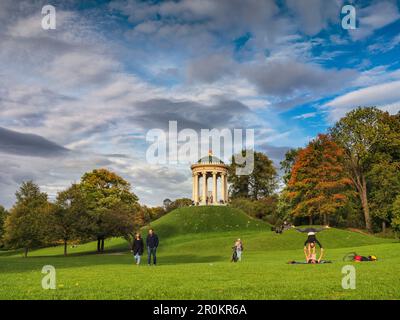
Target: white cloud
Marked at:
385, 96
305, 115
374, 17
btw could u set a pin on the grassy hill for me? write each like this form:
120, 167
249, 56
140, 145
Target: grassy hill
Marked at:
198, 220
194, 254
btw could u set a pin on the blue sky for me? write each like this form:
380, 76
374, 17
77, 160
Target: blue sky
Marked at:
84, 95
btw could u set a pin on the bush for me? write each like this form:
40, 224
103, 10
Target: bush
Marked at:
264, 209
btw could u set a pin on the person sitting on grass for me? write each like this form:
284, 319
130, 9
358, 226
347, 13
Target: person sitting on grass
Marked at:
137, 247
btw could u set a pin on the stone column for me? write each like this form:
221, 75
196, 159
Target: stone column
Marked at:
223, 193
214, 194
226, 189
196, 188
193, 187
204, 187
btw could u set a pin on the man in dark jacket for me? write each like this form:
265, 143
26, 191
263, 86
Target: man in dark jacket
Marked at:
152, 244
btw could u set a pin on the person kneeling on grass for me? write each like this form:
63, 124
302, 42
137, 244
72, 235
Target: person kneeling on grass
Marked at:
310, 253
137, 247
152, 244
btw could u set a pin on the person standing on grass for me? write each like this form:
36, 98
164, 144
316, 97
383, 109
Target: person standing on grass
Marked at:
152, 244
239, 248
137, 247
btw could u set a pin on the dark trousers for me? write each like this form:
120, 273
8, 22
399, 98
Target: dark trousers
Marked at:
151, 252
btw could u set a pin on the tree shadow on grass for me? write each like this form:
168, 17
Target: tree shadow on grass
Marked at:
110, 257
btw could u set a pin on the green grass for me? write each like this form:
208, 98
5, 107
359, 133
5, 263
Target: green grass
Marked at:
194, 254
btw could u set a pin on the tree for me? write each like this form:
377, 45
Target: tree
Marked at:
25, 225
260, 183
3, 216
179, 203
396, 215
111, 204
384, 182
69, 219
166, 203
318, 183
288, 162
361, 133
264, 208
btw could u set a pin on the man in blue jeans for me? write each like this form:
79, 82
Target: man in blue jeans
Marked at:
152, 244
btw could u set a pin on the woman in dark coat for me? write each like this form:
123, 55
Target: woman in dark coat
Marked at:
137, 247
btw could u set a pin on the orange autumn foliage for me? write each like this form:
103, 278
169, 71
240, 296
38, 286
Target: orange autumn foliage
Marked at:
319, 184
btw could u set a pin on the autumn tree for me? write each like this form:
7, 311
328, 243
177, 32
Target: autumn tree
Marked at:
25, 225
261, 182
318, 183
111, 205
361, 133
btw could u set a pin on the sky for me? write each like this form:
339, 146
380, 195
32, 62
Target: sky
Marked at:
84, 95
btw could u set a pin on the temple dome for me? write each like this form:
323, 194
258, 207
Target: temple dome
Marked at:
210, 159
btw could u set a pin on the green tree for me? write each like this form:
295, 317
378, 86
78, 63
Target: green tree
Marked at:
361, 133
264, 208
69, 219
166, 203
3, 216
25, 225
288, 163
260, 183
396, 215
111, 205
384, 185
179, 203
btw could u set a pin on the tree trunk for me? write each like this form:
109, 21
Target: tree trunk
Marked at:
384, 226
98, 244
26, 252
325, 219
310, 220
102, 245
65, 247
364, 203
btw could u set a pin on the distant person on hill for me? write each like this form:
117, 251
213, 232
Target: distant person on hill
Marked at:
152, 244
137, 247
238, 246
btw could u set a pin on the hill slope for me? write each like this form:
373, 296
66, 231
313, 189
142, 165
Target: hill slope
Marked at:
198, 220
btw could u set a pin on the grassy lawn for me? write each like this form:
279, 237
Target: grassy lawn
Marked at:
194, 263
